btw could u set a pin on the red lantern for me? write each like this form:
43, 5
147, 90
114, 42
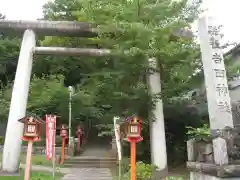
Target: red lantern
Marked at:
79, 133
32, 127
134, 130
63, 134
79, 130
63, 131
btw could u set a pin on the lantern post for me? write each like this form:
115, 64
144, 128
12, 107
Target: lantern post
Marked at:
63, 134
82, 135
31, 134
134, 136
79, 133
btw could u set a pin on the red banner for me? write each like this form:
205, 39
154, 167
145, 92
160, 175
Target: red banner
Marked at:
50, 135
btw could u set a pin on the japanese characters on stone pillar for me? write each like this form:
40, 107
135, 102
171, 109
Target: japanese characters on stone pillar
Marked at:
219, 106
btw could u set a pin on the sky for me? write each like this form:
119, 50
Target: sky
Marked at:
225, 12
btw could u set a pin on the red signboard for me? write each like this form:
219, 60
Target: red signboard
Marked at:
50, 135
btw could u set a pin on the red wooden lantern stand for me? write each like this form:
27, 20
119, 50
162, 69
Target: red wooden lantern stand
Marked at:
63, 134
31, 134
134, 136
83, 136
79, 133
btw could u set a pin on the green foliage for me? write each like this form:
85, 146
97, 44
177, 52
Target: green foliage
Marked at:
125, 165
34, 176
135, 30
2, 140
200, 132
133, 35
143, 171
105, 129
9, 50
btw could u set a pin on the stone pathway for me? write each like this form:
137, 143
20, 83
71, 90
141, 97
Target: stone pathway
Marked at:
92, 151
88, 174
95, 151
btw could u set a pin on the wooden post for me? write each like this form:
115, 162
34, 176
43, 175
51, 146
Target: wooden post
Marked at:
79, 142
28, 161
63, 150
133, 160
83, 137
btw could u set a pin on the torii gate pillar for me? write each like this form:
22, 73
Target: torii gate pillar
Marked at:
13, 142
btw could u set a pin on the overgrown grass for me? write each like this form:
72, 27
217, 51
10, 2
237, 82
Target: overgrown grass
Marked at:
34, 176
36, 160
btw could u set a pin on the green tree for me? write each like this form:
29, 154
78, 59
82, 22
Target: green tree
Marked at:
48, 95
9, 48
135, 30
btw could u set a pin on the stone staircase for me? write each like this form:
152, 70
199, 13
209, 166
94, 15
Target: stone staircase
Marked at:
88, 174
94, 156
90, 162
94, 163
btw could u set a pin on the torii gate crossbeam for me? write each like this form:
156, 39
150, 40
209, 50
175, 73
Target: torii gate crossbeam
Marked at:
49, 28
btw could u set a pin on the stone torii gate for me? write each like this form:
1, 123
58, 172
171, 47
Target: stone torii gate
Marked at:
12, 146
30, 29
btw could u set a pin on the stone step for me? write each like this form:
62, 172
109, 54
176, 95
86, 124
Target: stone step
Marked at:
91, 159
88, 174
68, 165
90, 162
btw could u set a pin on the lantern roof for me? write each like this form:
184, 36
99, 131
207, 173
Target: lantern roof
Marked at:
65, 127
34, 116
134, 118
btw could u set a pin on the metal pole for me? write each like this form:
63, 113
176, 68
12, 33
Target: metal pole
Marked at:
70, 115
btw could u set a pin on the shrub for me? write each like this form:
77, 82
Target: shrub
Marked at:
125, 165
143, 171
200, 132
2, 138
